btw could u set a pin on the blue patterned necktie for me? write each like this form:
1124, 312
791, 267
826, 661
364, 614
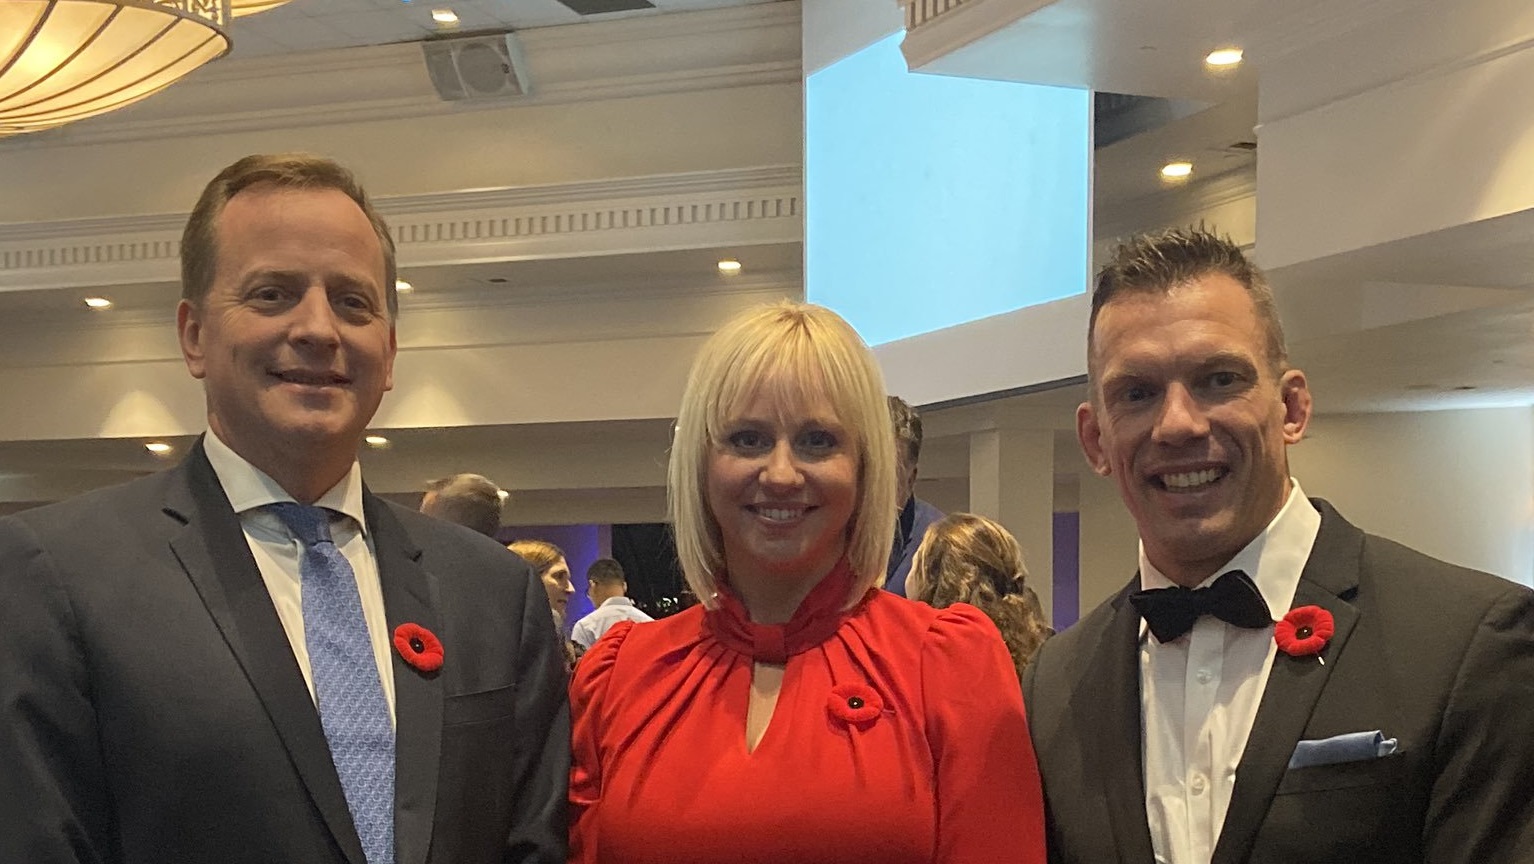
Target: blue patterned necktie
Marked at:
346, 686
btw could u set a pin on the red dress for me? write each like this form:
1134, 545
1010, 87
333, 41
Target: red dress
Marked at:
898, 737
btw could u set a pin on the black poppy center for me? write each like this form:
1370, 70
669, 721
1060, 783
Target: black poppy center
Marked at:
417, 645
1304, 632
855, 702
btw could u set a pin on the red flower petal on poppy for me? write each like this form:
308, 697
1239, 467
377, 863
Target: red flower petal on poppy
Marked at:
419, 646
854, 703
1304, 631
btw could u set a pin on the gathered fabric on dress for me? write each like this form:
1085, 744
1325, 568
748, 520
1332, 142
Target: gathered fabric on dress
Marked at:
898, 736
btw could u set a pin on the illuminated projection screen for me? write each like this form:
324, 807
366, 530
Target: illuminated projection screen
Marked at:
935, 204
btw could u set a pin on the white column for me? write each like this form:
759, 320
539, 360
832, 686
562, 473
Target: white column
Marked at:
1109, 540
1012, 480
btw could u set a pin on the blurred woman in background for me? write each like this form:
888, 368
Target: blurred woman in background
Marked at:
548, 563
966, 558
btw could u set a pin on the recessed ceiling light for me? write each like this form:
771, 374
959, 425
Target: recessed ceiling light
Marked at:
444, 16
1176, 170
729, 265
376, 441
98, 302
403, 287
158, 448
1223, 58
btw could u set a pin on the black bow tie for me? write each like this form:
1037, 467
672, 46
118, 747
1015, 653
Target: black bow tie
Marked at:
1171, 612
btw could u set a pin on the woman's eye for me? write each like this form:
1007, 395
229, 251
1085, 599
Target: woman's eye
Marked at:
818, 440
747, 439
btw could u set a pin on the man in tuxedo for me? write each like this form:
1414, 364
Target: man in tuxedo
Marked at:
250, 657
1169, 724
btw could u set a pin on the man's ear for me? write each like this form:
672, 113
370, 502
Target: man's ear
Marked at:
1294, 390
389, 362
1089, 433
189, 333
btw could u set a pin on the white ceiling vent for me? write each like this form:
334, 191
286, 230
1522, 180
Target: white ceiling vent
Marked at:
483, 66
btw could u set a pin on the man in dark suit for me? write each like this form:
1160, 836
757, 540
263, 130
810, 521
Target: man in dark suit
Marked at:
250, 657
1182, 725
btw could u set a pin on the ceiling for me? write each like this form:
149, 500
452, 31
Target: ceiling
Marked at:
1478, 353
311, 25
629, 275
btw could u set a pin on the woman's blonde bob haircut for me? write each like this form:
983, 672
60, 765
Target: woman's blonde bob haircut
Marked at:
792, 353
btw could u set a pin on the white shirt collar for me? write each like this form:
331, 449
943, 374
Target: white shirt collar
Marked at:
618, 601
249, 488
1274, 559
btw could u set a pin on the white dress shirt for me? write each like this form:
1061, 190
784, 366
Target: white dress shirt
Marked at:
601, 619
278, 552
1199, 693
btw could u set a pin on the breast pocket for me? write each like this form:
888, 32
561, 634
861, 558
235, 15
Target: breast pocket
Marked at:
482, 707
1341, 775
1363, 809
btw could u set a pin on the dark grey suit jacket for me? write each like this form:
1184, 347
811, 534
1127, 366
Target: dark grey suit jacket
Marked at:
151, 709
1438, 657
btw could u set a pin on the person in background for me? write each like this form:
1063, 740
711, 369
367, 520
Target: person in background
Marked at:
548, 562
1274, 684
608, 591
798, 714
914, 514
965, 558
250, 658
469, 500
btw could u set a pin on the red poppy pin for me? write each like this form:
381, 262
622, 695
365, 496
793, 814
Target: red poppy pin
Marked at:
854, 703
1304, 632
419, 646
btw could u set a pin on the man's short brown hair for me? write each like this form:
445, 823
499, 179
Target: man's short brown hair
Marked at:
1158, 263
199, 241
469, 500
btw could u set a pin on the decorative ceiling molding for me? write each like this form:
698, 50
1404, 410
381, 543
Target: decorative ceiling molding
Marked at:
937, 28
643, 214
681, 52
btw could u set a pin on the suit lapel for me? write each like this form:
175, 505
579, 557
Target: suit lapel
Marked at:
1108, 704
408, 598
212, 549
1329, 580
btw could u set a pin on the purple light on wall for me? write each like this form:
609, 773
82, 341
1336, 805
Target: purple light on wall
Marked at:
1067, 582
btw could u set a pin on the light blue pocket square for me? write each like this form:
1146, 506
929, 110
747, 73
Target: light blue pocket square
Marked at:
1351, 747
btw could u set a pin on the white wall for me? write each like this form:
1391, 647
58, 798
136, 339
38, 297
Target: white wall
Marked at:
1457, 485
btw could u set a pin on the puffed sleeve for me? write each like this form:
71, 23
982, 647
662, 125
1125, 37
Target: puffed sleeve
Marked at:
588, 693
990, 807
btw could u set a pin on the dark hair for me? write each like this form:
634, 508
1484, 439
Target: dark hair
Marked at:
1158, 263
469, 500
965, 558
907, 426
605, 570
199, 241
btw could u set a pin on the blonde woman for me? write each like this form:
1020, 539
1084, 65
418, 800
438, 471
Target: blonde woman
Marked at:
797, 714
964, 558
